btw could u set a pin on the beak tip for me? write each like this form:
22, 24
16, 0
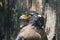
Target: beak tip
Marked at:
20, 17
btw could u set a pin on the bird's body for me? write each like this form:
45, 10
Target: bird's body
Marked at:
33, 29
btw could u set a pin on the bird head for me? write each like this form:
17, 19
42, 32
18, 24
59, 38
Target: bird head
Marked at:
32, 17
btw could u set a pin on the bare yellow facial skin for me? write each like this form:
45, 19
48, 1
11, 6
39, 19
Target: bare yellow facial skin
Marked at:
25, 16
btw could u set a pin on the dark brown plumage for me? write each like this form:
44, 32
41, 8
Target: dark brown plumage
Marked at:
33, 29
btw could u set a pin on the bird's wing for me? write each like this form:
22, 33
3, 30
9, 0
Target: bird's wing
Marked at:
50, 21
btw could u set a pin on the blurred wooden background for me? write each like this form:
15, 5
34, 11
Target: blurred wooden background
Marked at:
9, 14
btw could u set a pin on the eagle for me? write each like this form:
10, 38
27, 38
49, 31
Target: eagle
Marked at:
33, 29
33, 26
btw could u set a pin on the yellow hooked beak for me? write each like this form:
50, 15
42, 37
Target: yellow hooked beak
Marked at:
25, 16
